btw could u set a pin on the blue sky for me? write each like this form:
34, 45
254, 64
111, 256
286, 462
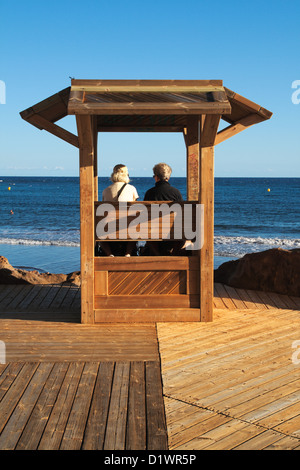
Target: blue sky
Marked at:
252, 46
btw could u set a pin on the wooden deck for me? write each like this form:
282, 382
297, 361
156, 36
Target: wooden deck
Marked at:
229, 384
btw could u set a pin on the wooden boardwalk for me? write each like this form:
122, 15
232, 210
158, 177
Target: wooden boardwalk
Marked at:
233, 384
229, 384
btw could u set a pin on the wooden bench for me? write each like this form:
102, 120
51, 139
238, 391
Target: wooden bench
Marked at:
147, 288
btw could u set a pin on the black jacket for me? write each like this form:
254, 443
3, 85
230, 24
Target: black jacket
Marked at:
163, 191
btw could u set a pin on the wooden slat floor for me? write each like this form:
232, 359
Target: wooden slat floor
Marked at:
233, 383
81, 405
64, 385
229, 384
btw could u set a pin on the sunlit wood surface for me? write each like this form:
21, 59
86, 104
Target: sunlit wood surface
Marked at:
228, 384
232, 384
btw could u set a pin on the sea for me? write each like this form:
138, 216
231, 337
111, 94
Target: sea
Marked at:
39, 226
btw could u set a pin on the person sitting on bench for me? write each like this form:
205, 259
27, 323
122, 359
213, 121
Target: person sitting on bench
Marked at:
119, 190
163, 191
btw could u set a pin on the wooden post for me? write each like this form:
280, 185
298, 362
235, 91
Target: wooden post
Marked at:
192, 139
209, 127
96, 196
86, 154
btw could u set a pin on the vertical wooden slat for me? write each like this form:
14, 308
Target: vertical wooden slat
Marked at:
95, 130
101, 283
206, 197
115, 437
157, 438
192, 139
136, 422
86, 144
96, 425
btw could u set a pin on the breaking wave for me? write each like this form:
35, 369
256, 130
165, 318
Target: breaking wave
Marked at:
239, 246
29, 242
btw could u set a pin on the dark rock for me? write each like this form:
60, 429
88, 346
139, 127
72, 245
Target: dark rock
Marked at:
274, 270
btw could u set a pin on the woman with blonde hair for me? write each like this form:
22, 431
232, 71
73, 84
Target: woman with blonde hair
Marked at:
119, 190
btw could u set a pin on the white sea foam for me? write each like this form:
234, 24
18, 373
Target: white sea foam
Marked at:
29, 242
223, 245
238, 246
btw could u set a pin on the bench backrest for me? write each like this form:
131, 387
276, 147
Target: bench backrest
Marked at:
165, 220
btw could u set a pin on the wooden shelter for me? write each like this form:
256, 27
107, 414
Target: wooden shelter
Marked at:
148, 288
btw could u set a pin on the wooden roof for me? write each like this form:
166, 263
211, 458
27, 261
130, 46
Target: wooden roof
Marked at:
145, 105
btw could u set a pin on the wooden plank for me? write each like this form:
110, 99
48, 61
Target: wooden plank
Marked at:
54, 129
95, 143
206, 197
147, 88
66, 342
147, 282
48, 299
145, 263
5, 292
130, 128
60, 296
127, 283
231, 294
137, 83
35, 426
192, 139
13, 395
56, 424
36, 297
92, 108
86, 173
136, 433
96, 424
18, 297
115, 279
245, 297
11, 295
237, 127
74, 431
147, 315
156, 424
101, 283
8, 375
72, 293
246, 104
210, 128
117, 416
142, 301
14, 426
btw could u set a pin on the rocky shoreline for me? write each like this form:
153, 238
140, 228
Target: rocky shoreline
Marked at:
274, 270
11, 275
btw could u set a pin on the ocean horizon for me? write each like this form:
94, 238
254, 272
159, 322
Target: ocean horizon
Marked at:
40, 217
